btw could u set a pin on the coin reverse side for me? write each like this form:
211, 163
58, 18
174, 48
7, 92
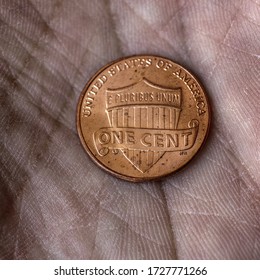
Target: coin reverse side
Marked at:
142, 117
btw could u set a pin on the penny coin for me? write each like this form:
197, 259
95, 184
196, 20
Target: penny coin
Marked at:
142, 117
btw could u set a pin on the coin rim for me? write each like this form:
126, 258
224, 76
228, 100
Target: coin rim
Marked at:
98, 162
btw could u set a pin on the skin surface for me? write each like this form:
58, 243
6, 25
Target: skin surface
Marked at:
55, 203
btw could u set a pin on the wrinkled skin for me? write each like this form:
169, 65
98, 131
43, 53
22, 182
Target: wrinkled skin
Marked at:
55, 203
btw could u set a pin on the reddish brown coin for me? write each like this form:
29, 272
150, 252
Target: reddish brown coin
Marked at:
142, 117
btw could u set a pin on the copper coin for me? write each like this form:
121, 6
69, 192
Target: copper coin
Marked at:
142, 117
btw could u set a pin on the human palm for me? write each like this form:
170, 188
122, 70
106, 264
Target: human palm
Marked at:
56, 203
